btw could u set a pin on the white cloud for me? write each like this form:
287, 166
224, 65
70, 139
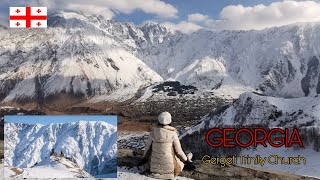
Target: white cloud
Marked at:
183, 26
194, 23
197, 17
108, 7
239, 17
106, 12
157, 7
261, 16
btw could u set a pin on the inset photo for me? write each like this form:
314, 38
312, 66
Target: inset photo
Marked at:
60, 147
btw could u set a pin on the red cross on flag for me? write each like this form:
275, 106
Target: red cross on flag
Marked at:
28, 17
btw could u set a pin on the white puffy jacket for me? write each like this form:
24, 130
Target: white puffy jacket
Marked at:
165, 153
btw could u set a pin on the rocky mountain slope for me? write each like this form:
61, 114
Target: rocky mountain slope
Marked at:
253, 110
81, 56
84, 56
90, 145
281, 61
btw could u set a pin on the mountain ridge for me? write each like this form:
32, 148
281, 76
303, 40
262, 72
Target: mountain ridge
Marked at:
92, 145
84, 56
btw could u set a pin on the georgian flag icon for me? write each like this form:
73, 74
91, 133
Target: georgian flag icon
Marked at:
28, 17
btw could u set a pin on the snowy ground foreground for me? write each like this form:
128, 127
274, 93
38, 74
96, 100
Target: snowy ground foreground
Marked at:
133, 174
53, 167
312, 168
1, 171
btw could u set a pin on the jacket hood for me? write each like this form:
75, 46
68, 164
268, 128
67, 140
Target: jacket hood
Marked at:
164, 118
164, 134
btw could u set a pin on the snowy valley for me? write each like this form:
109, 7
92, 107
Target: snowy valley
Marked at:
89, 57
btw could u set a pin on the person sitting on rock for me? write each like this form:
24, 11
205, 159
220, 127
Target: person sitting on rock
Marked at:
163, 150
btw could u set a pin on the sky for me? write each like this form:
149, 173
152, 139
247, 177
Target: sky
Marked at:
211, 8
187, 15
36, 119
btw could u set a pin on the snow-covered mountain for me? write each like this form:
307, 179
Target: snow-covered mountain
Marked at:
80, 55
86, 56
280, 61
90, 145
254, 110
